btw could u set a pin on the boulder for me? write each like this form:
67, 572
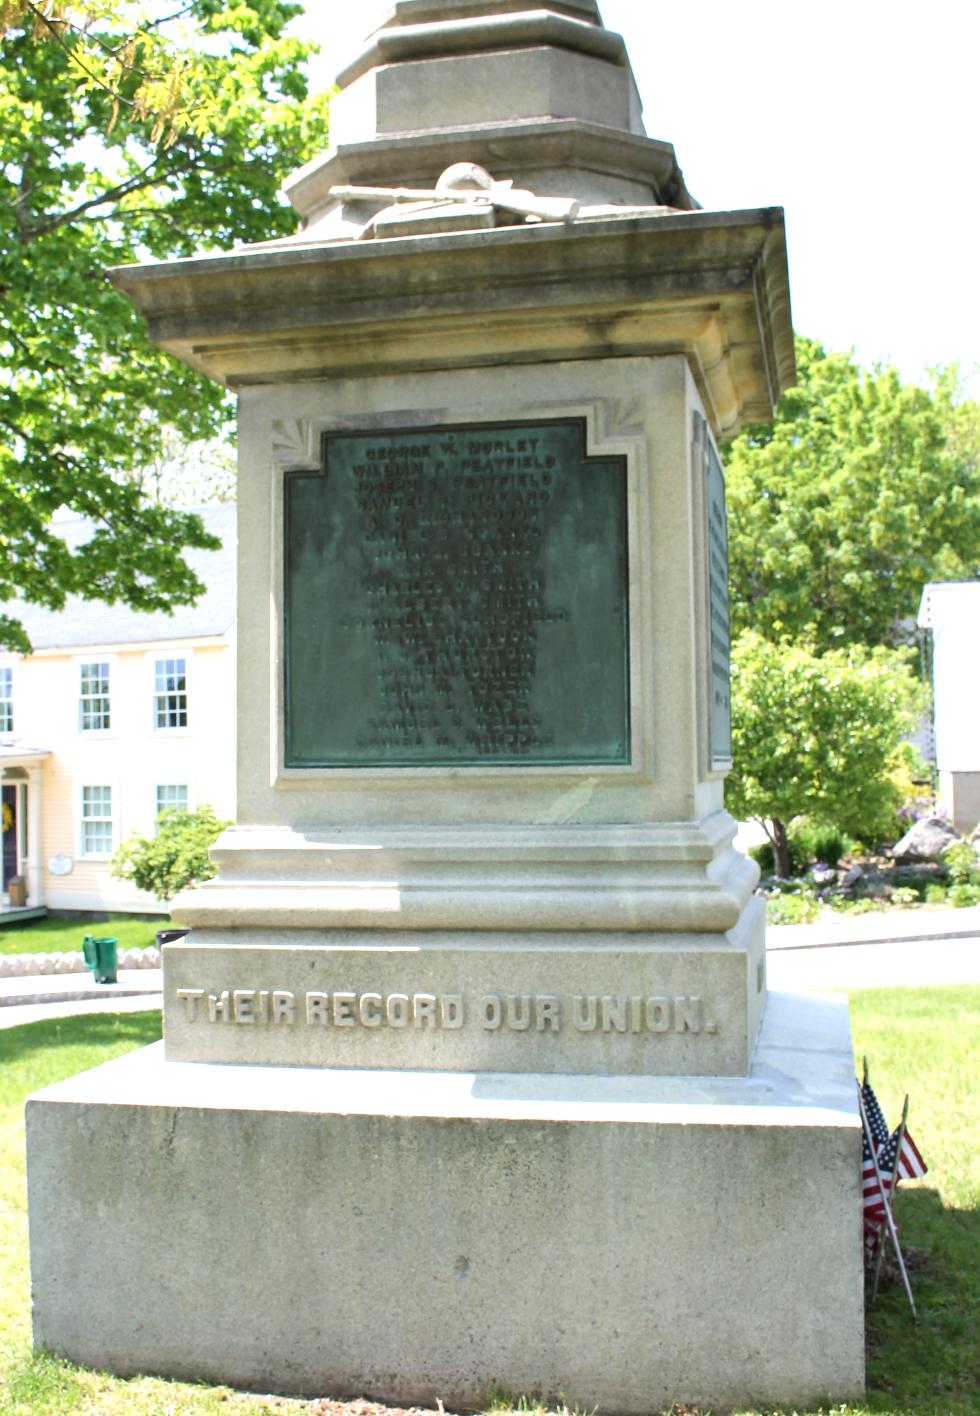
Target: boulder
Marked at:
926, 840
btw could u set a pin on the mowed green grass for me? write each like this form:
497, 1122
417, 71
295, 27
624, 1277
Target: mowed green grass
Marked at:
63, 936
919, 1040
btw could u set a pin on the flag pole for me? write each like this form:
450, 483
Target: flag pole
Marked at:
889, 1219
893, 1185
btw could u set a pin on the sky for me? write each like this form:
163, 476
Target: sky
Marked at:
860, 119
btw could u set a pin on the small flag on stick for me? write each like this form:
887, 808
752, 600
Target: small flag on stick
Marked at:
872, 1179
879, 1195
876, 1118
911, 1166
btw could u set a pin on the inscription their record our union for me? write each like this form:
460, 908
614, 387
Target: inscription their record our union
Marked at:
718, 608
457, 596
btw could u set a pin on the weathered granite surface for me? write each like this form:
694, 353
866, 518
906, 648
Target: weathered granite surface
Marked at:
611, 1243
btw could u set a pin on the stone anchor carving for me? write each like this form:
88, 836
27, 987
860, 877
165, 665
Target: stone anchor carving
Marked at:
469, 184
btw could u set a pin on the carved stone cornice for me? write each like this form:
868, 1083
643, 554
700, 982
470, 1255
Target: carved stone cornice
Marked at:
711, 285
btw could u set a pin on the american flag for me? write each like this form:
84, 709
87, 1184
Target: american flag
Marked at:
875, 1115
910, 1163
874, 1200
906, 1158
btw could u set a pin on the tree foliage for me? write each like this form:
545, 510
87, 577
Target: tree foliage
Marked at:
818, 735
176, 857
127, 132
862, 491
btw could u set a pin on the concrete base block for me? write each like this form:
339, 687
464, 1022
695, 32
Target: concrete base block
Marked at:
617, 1243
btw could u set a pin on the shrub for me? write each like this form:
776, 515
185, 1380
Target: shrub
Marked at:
815, 840
844, 905
962, 896
935, 894
798, 908
765, 857
904, 895
861, 906
176, 857
961, 864
808, 841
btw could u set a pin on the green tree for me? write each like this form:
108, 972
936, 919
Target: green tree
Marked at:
176, 857
126, 133
861, 491
818, 735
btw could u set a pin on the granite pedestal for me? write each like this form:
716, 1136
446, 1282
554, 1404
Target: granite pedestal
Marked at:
613, 1243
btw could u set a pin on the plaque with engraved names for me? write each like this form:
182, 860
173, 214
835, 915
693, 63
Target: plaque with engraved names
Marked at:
457, 596
718, 612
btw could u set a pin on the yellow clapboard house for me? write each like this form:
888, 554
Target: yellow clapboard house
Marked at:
115, 715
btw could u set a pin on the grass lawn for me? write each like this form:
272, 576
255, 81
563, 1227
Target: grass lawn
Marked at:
920, 1040
62, 936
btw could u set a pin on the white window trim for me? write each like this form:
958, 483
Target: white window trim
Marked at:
153, 657
153, 800
12, 700
113, 820
102, 734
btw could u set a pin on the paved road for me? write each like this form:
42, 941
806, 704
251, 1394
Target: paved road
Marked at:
881, 949
912, 962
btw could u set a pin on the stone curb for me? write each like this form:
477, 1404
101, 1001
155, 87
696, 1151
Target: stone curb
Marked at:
47, 1000
848, 941
21, 965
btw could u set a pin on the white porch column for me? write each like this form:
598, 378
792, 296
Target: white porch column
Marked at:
34, 866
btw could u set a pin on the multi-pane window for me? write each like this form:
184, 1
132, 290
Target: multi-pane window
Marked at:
94, 698
170, 693
96, 821
171, 797
6, 700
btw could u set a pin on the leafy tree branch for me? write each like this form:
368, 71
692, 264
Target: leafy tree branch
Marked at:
90, 180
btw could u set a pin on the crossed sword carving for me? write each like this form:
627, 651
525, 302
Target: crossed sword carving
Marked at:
488, 193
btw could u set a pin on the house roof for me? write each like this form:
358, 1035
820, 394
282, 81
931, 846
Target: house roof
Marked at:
84, 622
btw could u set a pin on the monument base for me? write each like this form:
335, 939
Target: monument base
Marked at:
613, 1243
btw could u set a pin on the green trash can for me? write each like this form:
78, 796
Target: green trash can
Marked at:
100, 956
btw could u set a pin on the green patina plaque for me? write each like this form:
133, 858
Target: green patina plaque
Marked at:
457, 596
720, 631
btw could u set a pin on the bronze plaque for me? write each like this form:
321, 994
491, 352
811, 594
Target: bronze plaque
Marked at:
457, 596
720, 627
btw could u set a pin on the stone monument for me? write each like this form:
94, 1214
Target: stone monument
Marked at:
470, 1080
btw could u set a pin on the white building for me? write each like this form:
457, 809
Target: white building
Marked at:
115, 715
951, 611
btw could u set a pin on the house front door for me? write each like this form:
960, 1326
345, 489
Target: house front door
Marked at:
9, 835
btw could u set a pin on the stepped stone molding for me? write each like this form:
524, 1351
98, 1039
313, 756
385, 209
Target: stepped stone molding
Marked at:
634, 879
483, 34
413, 12
557, 157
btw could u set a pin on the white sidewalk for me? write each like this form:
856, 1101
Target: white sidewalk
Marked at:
26, 999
